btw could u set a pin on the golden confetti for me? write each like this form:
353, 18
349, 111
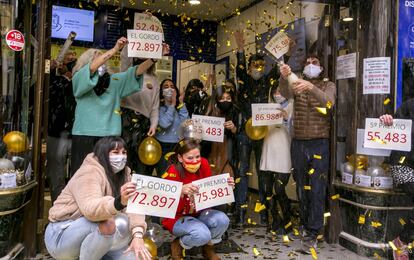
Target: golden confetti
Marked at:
361, 220
311, 171
334, 197
164, 175
249, 221
329, 105
117, 111
296, 232
317, 156
279, 181
313, 253
183, 252
402, 221
307, 187
288, 225
327, 214
255, 251
237, 180
322, 110
228, 43
249, 173
375, 224
244, 206
269, 198
134, 120
199, 50
375, 139
259, 207
80, 5
212, 165
387, 101
402, 159
392, 245
286, 239
377, 255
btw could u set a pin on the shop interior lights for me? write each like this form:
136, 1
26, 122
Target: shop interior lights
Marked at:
194, 2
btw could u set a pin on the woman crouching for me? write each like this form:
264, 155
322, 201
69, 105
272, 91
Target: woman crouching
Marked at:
193, 229
85, 220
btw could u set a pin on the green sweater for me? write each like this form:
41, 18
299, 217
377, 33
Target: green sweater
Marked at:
101, 115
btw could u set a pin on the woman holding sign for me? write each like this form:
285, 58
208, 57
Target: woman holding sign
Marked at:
98, 94
193, 229
85, 220
276, 163
402, 169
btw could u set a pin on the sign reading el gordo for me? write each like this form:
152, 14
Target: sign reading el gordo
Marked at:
155, 196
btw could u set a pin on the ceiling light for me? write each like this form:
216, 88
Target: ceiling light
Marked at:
194, 2
347, 19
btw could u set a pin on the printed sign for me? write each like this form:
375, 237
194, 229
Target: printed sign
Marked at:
382, 182
144, 44
368, 151
363, 180
15, 40
377, 75
212, 127
213, 191
155, 196
395, 137
346, 66
347, 178
278, 45
266, 114
8, 180
146, 22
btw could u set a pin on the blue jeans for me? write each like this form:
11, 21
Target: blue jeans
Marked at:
81, 239
245, 146
194, 232
311, 202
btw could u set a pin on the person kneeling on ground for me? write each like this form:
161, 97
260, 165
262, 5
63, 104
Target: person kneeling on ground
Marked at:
85, 220
193, 229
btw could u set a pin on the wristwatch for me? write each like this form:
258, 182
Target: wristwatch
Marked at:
138, 234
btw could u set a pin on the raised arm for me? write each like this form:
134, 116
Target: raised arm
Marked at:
100, 60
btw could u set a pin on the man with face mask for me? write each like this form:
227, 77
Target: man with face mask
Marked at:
314, 96
254, 87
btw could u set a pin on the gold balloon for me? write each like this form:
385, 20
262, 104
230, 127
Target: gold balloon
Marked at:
359, 161
149, 151
151, 247
16, 142
255, 132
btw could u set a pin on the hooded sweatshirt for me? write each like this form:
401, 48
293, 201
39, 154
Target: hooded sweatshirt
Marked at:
88, 194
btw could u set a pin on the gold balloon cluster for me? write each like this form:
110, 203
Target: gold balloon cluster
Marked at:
359, 161
16, 142
255, 132
149, 151
151, 247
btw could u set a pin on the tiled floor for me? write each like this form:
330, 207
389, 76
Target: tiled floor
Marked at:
257, 243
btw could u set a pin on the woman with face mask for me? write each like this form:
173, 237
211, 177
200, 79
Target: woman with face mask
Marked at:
223, 104
276, 164
86, 220
192, 228
98, 95
172, 113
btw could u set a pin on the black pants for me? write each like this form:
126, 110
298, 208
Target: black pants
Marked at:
279, 198
244, 148
82, 145
134, 129
407, 234
311, 187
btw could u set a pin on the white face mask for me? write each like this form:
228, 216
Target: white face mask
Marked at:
102, 70
167, 93
312, 71
117, 162
257, 74
279, 99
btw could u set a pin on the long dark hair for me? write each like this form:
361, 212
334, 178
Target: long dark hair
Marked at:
177, 98
216, 96
182, 147
101, 152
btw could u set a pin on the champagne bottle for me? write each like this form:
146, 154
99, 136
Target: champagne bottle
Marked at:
291, 78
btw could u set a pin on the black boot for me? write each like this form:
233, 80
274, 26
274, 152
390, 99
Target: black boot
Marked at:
264, 218
240, 218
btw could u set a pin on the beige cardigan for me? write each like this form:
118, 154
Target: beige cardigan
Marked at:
89, 194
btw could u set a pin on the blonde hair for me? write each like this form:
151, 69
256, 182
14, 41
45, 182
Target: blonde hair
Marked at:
85, 58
